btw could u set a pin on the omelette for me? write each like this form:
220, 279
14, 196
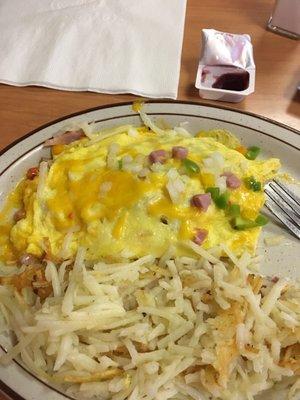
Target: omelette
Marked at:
131, 191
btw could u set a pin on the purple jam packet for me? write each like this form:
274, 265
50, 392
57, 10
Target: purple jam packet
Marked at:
226, 69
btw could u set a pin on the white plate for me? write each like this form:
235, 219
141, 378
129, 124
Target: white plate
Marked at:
275, 139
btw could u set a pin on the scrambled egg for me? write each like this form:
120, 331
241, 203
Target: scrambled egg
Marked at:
105, 196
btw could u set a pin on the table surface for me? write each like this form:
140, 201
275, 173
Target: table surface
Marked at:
276, 58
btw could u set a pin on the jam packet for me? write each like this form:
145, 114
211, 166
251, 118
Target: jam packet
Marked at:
226, 70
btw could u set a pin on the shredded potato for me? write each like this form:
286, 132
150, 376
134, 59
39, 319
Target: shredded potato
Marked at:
173, 328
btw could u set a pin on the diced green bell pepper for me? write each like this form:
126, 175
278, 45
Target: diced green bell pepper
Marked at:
240, 224
252, 184
234, 210
261, 220
214, 191
222, 200
252, 152
191, 166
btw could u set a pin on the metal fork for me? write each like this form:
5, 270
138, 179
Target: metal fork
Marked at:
284, 204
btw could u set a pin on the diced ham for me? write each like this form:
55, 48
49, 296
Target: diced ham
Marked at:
65, 138
29, 259
201, 201
232, 181
20, 214
32, 173
179, 152
158, 156
200, 236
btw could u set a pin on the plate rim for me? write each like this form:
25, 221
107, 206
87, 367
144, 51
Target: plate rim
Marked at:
9, 392
127, 103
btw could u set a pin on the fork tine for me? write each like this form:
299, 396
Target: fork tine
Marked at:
285, 207
286, 194
283, 218
286, 189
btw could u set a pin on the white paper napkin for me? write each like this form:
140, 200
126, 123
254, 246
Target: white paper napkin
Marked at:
108, 46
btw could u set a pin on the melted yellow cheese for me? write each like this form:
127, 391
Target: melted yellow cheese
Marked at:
110, 210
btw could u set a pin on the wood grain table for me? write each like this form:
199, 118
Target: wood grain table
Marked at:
277, 62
